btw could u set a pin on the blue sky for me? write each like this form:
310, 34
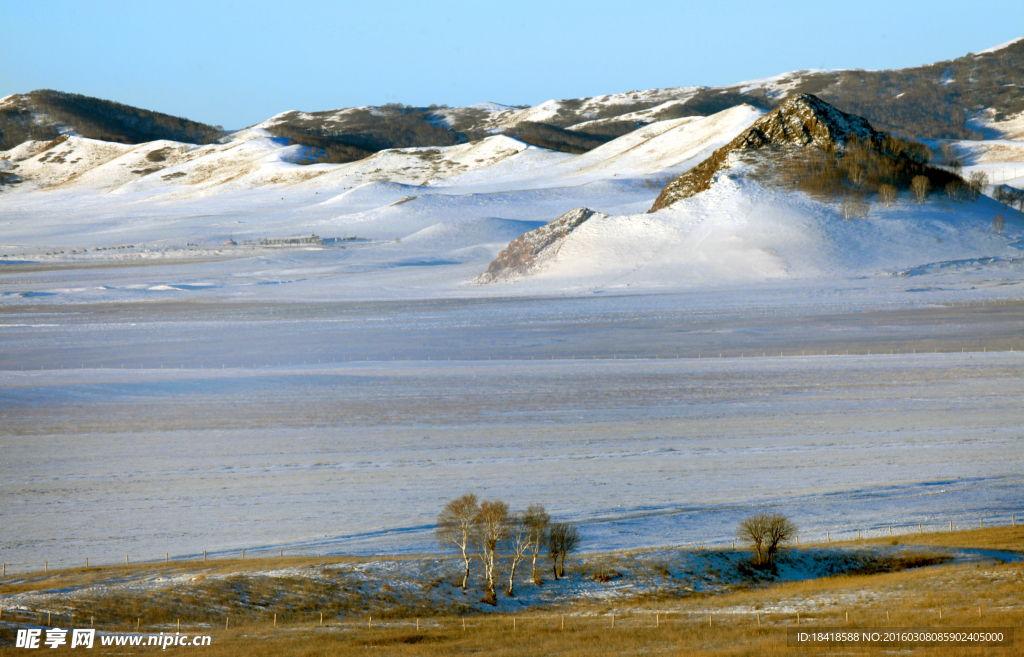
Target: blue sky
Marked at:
237, 63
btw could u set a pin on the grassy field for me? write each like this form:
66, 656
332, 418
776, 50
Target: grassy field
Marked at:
745, 622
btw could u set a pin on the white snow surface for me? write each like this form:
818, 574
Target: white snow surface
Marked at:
1000, 46
91, 227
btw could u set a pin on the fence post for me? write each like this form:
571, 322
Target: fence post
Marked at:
321, 619
950, 525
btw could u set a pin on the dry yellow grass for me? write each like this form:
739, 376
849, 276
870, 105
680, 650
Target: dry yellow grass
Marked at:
975, 595
95, 576
990, 538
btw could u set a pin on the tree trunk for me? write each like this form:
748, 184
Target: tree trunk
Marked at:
533, 575
511, 577
490, 571
465, 577
554, 566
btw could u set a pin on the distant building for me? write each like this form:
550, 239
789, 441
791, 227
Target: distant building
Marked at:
292, 241
230, 242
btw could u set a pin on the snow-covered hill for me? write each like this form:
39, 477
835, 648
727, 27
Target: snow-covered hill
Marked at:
428, 221
732, 218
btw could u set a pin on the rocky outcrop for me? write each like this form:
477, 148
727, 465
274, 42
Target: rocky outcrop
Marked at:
526, 252
799, 122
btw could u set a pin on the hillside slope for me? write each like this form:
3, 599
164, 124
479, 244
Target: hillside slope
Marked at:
971, 97
735, 217
44, 115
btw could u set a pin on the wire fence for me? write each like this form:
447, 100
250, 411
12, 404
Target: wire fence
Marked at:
892, 614
827, 536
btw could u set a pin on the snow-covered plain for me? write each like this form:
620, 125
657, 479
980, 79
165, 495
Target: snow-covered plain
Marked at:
178, 395
359, 457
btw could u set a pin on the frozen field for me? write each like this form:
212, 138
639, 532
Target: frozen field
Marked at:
169, 382
191, 448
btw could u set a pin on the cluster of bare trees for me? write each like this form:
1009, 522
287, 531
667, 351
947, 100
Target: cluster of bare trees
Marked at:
495, 535
851, 174
1009, 196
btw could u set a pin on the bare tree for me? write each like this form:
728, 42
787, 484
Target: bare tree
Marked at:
519, 543
491, 526
999, 223
920, 186
537, 519
765, 532
887, 194
948, 152
855, 208
455, 526
977, 181
563, 538
955, 190
753, 530
781, 530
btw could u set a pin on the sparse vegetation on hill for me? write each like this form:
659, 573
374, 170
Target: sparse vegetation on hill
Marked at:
558, 139
39, 115
365, 133
807, 144
933, 101
334, 150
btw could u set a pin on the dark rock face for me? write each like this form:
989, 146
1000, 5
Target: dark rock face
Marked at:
801, 121
521, 254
